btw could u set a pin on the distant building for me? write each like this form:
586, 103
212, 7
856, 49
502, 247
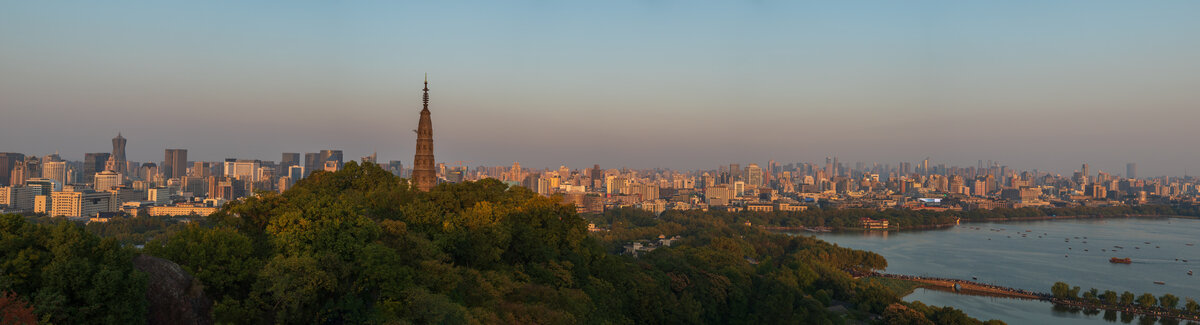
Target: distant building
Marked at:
312, 163
94, 163
56, 170
118, 154
1131, 170
9, 161
334, 155
79, 203
760, 207
174, 163
754, 176
869, 223
289, 159
107, 180
180, 210
17, 198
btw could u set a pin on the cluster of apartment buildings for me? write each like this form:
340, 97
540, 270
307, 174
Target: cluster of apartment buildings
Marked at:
107, 183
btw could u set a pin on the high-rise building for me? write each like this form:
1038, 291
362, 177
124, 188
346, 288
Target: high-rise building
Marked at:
118, 153
148, 172
1131, 170
174, 163
56, 170
735, 173
754, 176
312, 162
289, 159
396, 167
1086, 173
9, 161
93, 163
295, 173
328, 155
423, 175
107, 180
245, 170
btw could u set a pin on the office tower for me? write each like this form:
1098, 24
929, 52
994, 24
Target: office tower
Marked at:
118, 153
295, 173
289, 159
31, 167
735, 173
328, 155
423, 173
754, 176
93, 163
396, 167
312, 162
174, 163
829, 167
837, 168
371, 159
107, 180
245, 170
1085, 171
56, 170
203, 169
597, 174
148, 172
1131, 170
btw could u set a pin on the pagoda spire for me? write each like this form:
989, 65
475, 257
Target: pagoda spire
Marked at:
426, 90
424, 177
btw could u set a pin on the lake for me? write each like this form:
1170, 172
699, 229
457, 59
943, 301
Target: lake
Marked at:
1032, 255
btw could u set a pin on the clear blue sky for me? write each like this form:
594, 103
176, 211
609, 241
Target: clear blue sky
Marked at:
682, 84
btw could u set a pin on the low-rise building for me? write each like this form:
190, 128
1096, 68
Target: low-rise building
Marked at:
180, 210
869, 223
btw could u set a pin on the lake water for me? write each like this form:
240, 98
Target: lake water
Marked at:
997, 253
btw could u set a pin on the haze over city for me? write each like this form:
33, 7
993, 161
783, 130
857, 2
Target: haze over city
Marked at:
637, 84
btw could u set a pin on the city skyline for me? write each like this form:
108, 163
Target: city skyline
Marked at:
681, 86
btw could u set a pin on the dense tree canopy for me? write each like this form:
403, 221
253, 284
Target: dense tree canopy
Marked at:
69, 275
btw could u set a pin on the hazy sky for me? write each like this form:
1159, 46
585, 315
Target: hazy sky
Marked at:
682, 84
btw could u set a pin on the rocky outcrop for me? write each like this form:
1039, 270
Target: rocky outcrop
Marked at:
174, 296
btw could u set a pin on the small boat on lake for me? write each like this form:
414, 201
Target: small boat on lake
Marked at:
1189, 272
1159, 282
1120, 260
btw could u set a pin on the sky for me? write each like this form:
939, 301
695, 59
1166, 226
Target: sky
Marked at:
1042, 85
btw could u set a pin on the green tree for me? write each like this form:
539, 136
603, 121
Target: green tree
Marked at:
70, 276
1127, 298
1168, 301
1147, 300
1061, 290
1191, 306
1109, 297
1092, 296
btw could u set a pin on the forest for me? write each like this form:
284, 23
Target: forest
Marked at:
359, 246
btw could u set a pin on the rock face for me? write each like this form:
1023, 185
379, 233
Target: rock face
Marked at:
175, 297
